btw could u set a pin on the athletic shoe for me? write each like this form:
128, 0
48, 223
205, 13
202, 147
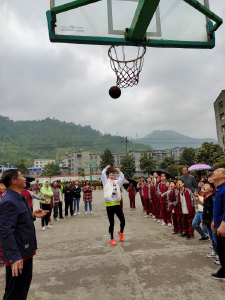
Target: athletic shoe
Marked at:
112, 242
203, 239
145, 216
218, 277
74, 214
158, 221
217, 261
184, 234
174, 232
212, 254
150, 214
121, 236
153, 217
85, 212
91, 212
190, 237
134, 208
163, 223
169, 224
57, 219
142, 211
211, 246
180, 234
78, 213
43, 229
49, 226
155, 220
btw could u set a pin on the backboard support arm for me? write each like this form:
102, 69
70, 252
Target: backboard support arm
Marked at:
208, 13
142, 18
72, 5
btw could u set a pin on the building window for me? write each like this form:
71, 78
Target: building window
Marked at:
79, 155
91, 157
222, 116
95, 157
37, 173
223, 128
220, 104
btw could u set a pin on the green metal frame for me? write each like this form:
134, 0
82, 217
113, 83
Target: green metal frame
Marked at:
142, 18
136, 34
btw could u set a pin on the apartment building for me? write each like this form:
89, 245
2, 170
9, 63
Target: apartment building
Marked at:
42, 162
219, 108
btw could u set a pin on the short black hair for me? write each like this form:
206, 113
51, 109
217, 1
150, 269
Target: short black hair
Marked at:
180, 180
211, 185
8, 176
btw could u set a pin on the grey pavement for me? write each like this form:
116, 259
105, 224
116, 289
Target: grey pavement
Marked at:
76, 261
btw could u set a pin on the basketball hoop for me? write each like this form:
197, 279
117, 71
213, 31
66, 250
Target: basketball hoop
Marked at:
127, 71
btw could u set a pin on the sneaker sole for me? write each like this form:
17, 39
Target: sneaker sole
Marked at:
221, 279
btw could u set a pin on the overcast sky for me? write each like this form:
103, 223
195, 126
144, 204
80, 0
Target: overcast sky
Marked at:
39, 79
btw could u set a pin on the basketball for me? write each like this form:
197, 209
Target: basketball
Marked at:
115, 92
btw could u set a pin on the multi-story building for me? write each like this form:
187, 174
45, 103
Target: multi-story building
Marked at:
219, 107
35, 171
85, 159
42, 162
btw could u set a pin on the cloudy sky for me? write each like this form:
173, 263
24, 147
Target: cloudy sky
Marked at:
39, 79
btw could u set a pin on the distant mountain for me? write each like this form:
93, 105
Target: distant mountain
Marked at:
51, 138
168, 139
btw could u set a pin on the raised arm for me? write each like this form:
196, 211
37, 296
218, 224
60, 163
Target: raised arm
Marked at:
121, 176
103, 176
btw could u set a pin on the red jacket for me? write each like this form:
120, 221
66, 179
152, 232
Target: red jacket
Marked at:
152, 193
145, 192
131, 192
189, 197
161, 189
172, 198
26, 194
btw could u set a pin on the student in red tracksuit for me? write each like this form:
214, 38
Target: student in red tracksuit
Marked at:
145, 195
161, 192
131, 193
185, 201
176, 211
149, 182
153, 197
139, 187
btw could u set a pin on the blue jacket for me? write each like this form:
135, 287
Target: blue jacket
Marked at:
17, 232
219, 206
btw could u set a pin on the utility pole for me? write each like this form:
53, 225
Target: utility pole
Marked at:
126, 141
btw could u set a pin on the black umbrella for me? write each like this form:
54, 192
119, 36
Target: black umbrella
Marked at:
126, 185
28, 178
160, 171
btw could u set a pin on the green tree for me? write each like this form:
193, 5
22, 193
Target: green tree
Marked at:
187, 157
220, 164
82, 173
172, 169
107, 159
51, 169
128, 166
22, 166
167, 161
209, 153
146, 162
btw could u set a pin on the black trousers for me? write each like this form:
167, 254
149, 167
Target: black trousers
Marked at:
115, 210
56, 210
17, 288
45, 219
221, 253
60, 210
68, 204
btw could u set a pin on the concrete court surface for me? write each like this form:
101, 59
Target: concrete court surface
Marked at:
76, 261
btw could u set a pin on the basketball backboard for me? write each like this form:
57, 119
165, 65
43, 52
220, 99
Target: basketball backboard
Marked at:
173, 23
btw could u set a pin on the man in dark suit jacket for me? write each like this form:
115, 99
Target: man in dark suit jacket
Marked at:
17, 235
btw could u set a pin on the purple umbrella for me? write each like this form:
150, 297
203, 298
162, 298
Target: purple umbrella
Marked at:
199, 167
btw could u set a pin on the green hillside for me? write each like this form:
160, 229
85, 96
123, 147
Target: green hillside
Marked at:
52, 138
